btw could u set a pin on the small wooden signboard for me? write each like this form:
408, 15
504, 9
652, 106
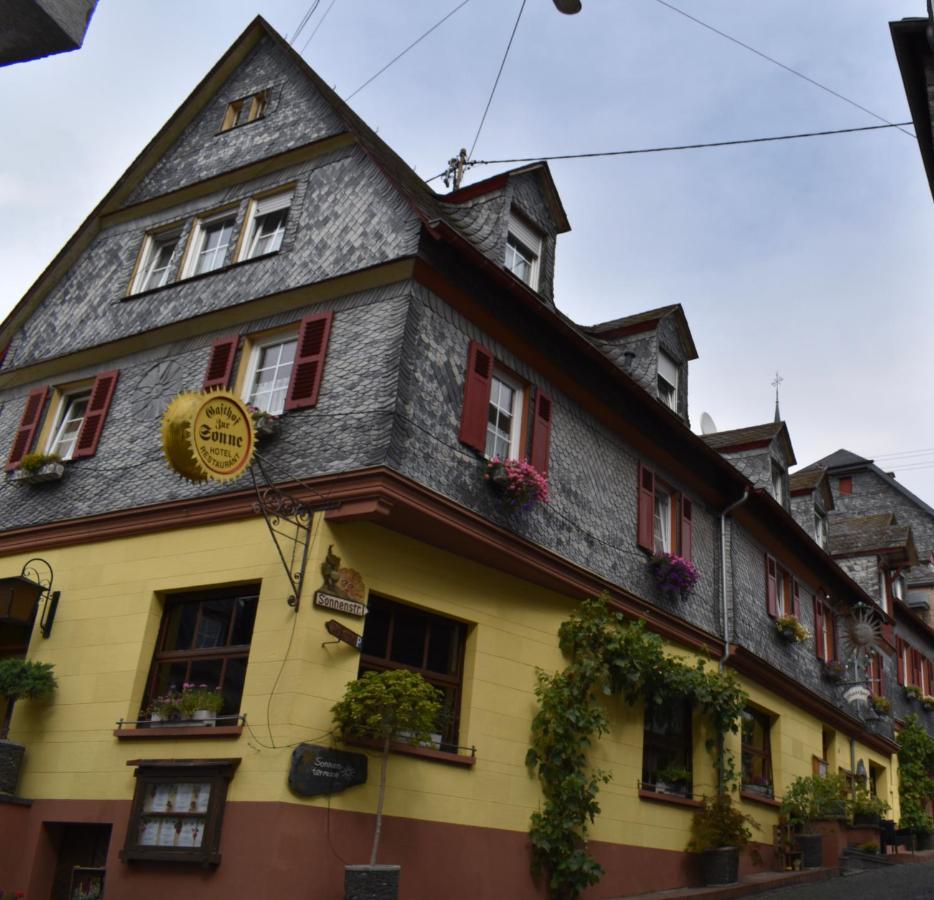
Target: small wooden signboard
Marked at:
317, 770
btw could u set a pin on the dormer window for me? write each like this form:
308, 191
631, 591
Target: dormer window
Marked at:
667, 380
523, 251
820, 528
778, 482
244, 110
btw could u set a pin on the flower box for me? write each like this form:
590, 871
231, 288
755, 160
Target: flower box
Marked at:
912, 692
518, 483
52, 471
834, 671
791, 630
674, 576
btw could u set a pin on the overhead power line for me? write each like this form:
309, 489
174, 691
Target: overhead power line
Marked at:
308, 14
486, 109
399, 56
320, 23
781, 65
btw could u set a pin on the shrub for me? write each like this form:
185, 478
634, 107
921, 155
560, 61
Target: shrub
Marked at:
23, 679
813, 797
720, 824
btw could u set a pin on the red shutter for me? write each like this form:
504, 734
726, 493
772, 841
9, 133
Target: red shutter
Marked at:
98, 404
819, 628
900, 656
541, 432
928, 677
476, 407
28, 424
795, 600
771, 600
881, 664
831, 640
687, 529
220, 365
645, 526
916, 668
875, 674
308, 367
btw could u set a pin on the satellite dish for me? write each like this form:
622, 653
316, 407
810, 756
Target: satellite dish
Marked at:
707, 424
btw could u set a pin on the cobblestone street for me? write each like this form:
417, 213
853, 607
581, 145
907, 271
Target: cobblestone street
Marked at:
909, 882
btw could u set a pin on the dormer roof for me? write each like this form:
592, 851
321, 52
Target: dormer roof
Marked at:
877, 534
645, 321
752, 438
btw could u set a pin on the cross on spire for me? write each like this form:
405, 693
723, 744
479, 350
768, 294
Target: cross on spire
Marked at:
775, 384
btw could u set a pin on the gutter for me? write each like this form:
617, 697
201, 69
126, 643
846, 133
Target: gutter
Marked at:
723, 607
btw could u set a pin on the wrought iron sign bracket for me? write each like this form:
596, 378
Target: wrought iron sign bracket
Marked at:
289, 522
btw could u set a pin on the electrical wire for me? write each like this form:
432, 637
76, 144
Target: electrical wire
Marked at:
308, 14
399, 56
781, 65
315, 29
496, 82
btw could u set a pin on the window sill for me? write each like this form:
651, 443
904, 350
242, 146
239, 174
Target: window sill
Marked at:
441, 756
190, 278
760, 798
673, 799
197, 732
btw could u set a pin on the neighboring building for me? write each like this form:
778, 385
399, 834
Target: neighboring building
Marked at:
914, 49
269, 242
35, 28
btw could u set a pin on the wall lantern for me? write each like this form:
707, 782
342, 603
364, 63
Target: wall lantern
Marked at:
20, 596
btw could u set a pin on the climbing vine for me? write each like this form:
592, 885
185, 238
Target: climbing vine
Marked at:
915, 778
608, 656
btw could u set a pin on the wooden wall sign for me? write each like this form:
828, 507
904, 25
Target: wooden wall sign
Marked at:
343, 633
316, 770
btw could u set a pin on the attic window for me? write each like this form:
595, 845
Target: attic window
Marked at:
523, 251
778, 479
244, 110
667, 380
846, 484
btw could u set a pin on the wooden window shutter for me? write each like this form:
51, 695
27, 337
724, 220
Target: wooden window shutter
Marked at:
645, 527
541, 432
687, 529
98, 405
308, 368
795, 599
880, 662
771, 597
831, 638
220, 364
477, 383
818, 628
928, 677
900, 659
28, 425
916, 667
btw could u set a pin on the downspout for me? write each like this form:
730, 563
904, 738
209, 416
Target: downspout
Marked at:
721, 747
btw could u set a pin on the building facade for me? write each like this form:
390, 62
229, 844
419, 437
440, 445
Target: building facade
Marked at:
267, 242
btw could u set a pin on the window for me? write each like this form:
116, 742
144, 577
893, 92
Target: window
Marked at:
396, 636
884, 591
778, 482
665, 519
667, 749
245, 110
824, 631
523, 250
845, 484
265, 226
210, 241
177, 811
65, 436
782, 591
756, 753
155, 261
667, 380
897, 580
504, 423
269, 375
876, 674
496, 419
205, 639
820, 528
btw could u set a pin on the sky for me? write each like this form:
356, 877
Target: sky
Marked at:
811, 258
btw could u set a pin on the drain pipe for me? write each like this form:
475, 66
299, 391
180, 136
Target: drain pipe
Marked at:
723, 606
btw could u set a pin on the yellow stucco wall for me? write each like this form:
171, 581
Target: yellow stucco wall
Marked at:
106, 628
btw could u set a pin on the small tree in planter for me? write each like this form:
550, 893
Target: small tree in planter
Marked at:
806, 800
674, 576
719, 830
20, 679
385, 706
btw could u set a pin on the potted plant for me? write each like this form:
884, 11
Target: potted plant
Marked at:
912, 692
385, 706
165, 709
881, 705
674, 576
806, 800
38, 467
518, 482
265, 424
719, 830
927, 701
20, 679
865, 808
200, 703
673, 779
834, 670
791, 630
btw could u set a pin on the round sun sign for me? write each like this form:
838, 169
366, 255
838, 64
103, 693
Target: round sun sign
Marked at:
208, 436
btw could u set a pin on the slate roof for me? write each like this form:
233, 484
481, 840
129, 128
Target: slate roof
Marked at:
807, 479
606, 330
849, 535
842, 459
738, 438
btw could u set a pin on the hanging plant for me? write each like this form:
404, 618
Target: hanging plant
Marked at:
881, 705
791, 629
518, 482
674, 575
834, 670
607, 656
927, 701
912, 692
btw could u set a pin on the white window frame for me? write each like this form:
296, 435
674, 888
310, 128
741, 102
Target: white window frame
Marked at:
196, 241
820, 528
781, 577
662, 512
256, 351
883, 593
259, 209
668, 374
152, 244
898, 585
531, 241
518, 398
777, 481
62, 419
